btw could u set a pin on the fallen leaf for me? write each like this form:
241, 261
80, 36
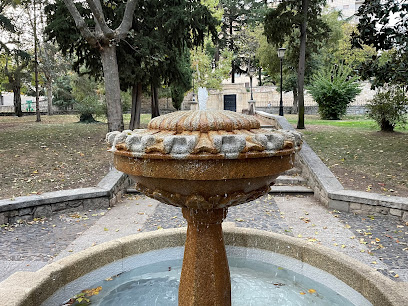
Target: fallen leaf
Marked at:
311, 291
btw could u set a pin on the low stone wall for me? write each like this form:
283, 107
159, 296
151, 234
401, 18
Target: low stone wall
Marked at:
104, 195
328, 190
312, 109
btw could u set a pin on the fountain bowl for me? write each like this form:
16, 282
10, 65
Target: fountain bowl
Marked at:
204, 159
38, 288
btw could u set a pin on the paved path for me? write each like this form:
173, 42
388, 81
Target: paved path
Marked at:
378, 241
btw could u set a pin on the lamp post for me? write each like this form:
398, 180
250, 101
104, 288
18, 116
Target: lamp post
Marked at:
251, 102
193, 103
281, 54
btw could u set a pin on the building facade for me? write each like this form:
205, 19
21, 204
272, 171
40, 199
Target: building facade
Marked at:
348, 8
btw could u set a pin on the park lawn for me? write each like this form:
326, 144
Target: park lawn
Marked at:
54, 154
59, 153
362, 157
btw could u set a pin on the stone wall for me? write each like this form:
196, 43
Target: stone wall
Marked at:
329, 191
104, 195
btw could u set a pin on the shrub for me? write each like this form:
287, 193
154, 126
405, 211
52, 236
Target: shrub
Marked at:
389, 108
62, 93
333, 89
177, 96
88, 103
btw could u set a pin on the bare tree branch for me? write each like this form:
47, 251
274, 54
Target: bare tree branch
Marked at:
81, 25
96, 8
126, 23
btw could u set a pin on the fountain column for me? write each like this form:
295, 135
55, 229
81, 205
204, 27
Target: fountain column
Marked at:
205, 278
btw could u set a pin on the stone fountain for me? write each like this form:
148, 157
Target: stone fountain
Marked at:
204, 162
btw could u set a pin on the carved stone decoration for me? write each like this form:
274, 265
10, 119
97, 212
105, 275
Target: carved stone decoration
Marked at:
204, 162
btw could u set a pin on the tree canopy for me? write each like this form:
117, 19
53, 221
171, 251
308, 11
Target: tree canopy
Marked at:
383, 24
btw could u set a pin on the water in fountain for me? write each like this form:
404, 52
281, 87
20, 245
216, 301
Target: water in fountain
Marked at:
252, 283
202, 98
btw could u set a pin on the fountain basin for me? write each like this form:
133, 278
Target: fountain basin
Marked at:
34, 288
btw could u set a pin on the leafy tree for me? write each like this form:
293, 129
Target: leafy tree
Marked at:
51, 64
333, 89
291, 22
15, 70
388, 108
343, 52
389, 66
206, 73
88, 102
62, 92
104, 39
146, 57
238, 15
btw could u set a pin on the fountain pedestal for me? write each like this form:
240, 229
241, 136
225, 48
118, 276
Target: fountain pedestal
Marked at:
205, 278
204, 162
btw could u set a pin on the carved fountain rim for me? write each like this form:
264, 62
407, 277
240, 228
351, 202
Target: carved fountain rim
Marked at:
204, 135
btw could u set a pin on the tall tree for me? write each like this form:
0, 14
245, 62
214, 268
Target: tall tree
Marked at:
238, 15
147, 55
35, 36
291, 17
104, 39
16, 72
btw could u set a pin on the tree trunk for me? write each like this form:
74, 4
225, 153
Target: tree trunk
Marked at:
217, 55
301, 69
17, 101
112, 88
49, 95
37, 98
232, 49
386, 126
136, 106
155, 102
295, 108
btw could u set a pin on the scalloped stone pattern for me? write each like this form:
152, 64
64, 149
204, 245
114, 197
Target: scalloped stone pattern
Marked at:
204, 135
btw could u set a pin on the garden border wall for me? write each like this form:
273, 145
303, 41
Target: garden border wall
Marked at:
328, 190
104, 195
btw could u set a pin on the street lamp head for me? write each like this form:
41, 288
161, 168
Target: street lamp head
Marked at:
251, 71
281, 52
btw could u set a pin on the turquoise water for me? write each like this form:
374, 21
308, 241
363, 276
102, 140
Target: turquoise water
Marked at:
252, 283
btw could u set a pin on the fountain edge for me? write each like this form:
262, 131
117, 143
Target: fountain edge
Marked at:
33, 288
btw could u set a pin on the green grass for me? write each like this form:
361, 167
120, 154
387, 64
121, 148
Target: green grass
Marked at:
144, 119
361, 122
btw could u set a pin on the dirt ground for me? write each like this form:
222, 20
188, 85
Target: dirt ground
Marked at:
56, 154
60, 153
370, 161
